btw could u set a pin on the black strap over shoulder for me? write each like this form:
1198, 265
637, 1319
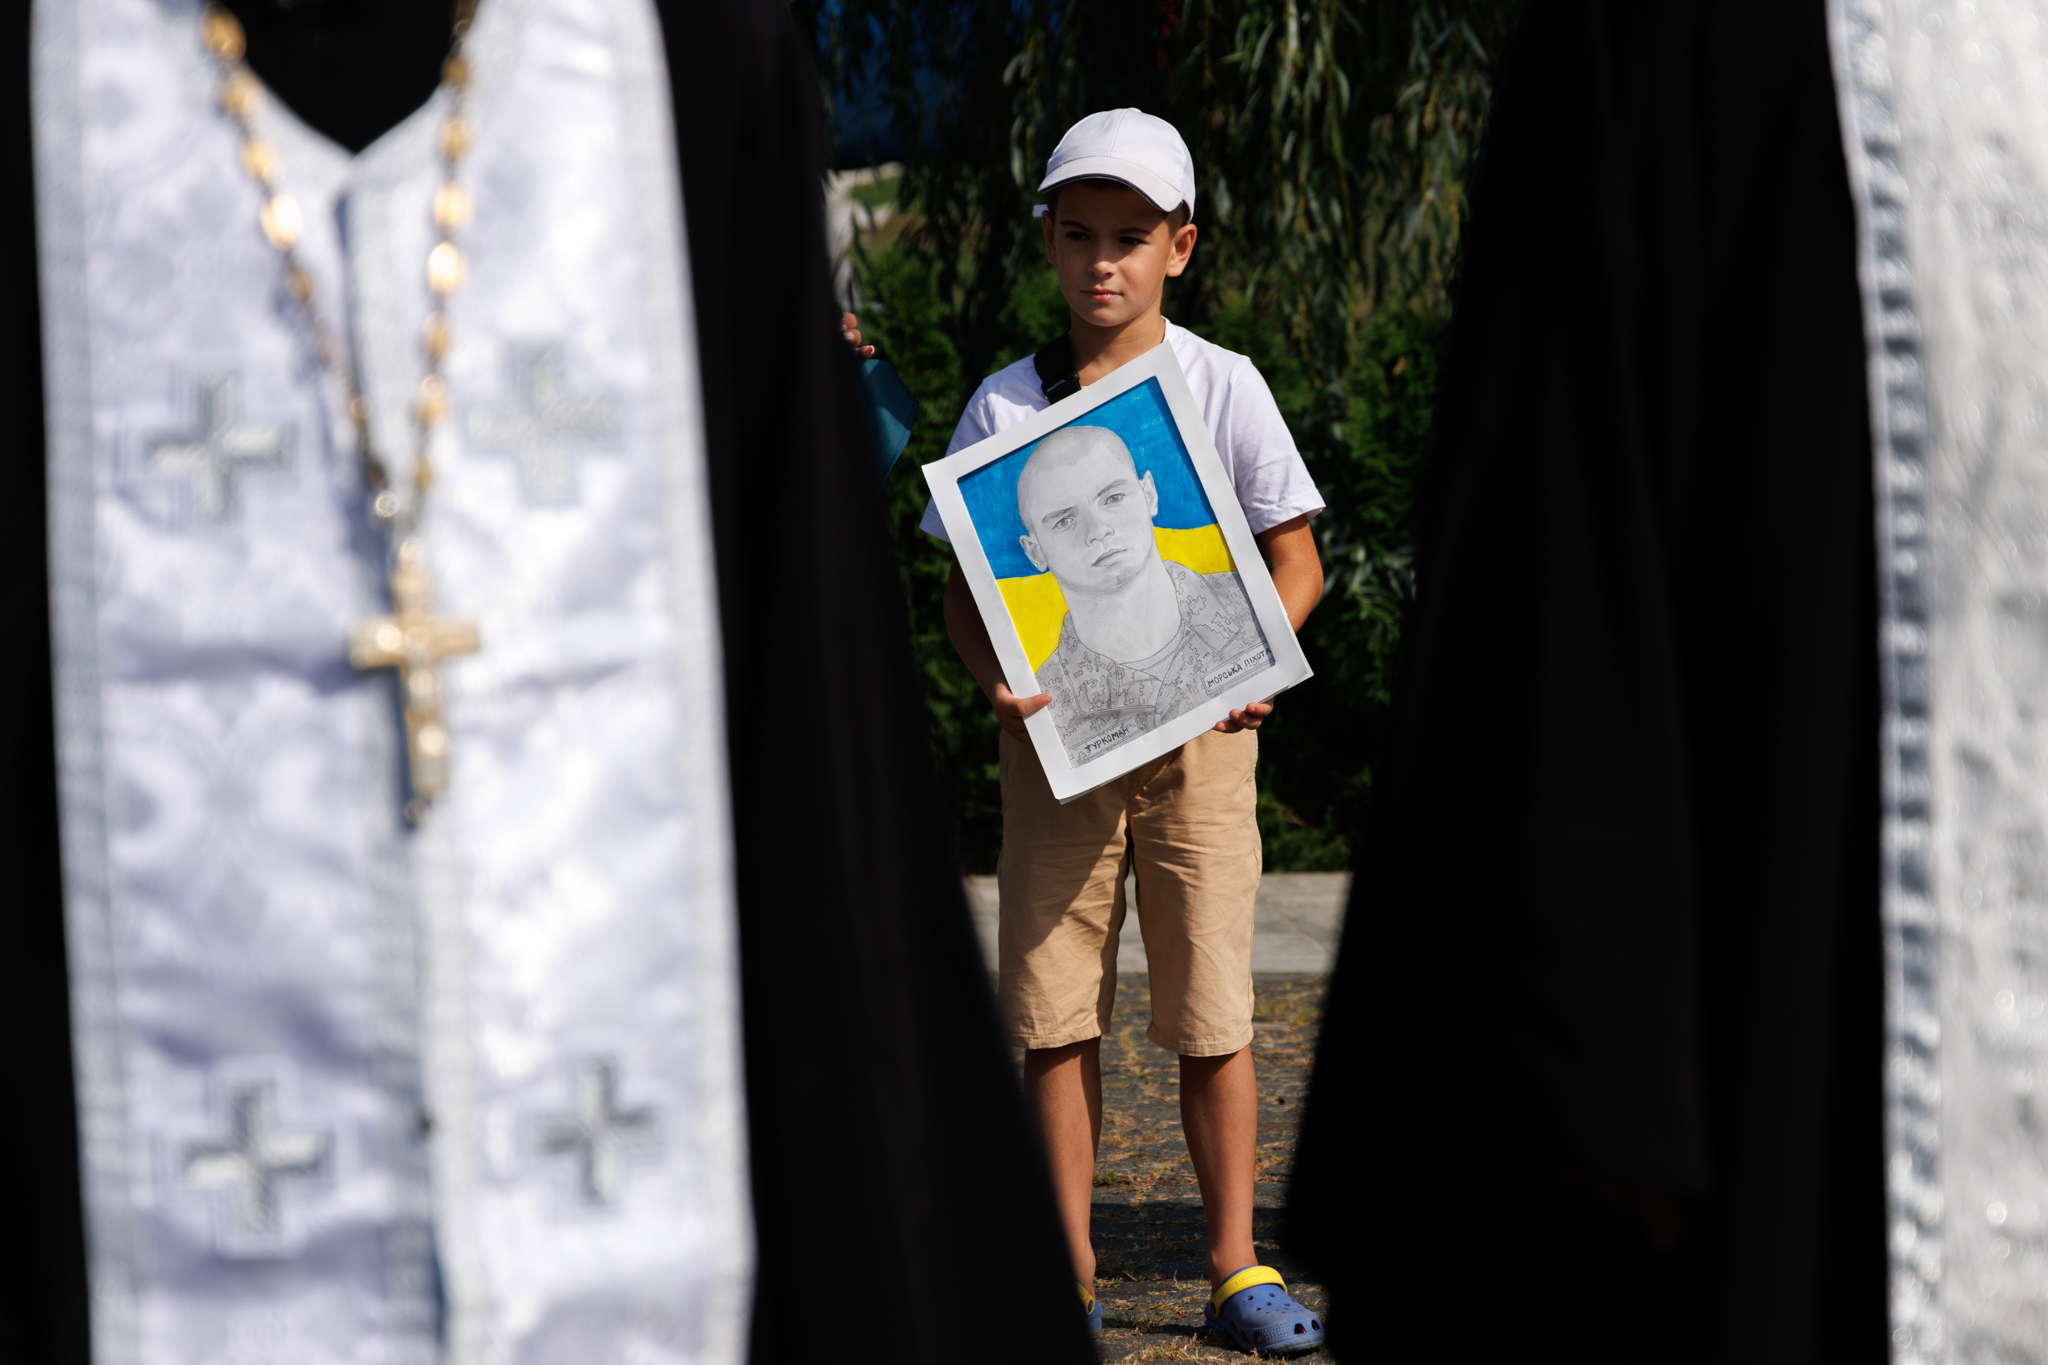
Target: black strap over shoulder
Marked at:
1055, 365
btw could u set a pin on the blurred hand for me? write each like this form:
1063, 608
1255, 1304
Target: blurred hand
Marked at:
1011, 709
1248, 719
849, 327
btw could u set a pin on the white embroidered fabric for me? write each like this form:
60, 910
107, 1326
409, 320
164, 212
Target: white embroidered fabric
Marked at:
1946, 120
349, 1092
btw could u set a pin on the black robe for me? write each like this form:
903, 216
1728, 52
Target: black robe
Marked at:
1600, 1072
899, 1194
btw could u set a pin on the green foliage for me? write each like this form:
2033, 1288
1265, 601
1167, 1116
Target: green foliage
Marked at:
1331, 139
877, 194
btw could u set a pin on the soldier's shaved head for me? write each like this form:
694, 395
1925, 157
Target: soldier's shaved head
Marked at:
1087, 512
1057, 456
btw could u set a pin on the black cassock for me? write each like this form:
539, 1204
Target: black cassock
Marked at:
1600, 1075
897, 1187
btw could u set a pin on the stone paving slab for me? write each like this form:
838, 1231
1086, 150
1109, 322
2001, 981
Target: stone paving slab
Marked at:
1295, 922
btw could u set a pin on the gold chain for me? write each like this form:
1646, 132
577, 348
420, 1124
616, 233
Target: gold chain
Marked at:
284, 223
412, 639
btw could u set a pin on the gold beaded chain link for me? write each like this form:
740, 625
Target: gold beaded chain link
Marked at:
412, 639
284, 223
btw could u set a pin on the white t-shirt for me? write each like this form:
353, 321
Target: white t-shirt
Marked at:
1258, 452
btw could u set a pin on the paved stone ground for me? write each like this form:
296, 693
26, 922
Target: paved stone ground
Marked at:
1148, 1213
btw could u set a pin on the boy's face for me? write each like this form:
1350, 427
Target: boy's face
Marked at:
1089, 516
1113, 252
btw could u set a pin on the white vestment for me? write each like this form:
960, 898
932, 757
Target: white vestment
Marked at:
348, 1091
1945, 117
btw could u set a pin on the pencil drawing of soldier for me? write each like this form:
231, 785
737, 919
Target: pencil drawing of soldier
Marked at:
1144, 638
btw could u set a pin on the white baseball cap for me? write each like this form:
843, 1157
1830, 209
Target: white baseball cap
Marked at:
1131, 148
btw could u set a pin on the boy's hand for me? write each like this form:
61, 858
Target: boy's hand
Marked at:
849, 327
1247, 719
1011, 708
1289, 550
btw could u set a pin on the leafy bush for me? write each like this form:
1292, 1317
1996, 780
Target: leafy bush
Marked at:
1332, 139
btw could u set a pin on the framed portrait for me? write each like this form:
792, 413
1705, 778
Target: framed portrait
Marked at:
1115, 570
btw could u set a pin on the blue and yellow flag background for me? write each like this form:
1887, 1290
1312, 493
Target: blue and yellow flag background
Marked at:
1185, 526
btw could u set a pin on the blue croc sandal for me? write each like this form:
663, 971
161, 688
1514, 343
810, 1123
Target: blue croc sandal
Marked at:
1093, 1306
1253, 1311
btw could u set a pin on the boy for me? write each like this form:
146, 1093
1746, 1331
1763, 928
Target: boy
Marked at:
1120, 198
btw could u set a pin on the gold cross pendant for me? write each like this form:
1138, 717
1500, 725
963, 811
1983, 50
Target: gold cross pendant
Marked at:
414, 641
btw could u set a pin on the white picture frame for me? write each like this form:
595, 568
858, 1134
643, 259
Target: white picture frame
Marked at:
1018, 587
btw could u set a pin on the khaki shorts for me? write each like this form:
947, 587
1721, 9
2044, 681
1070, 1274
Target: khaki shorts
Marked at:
1188, 824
